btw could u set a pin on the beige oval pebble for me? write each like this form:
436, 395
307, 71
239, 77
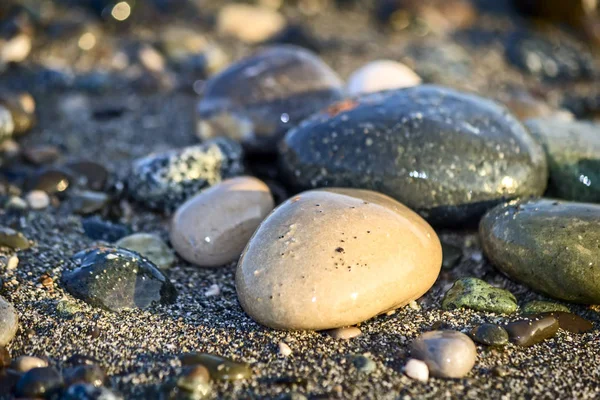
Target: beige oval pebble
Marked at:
448, 354
381, 75
345, 333
212, 228
25, 363
331, 258
417, 370
251, 24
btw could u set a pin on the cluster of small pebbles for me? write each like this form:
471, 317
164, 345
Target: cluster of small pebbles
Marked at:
271, 199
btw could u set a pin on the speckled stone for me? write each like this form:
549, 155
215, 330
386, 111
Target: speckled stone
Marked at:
39, 382
552, 247
573, 153
448, 354
447, 154
117, 279
212, 228
165, 180
381, 75
539, 306
356, 254
150, 246
256, 100
220, 368
26, 363
490, 335
9, 322
528, 332
13, 239
479, 295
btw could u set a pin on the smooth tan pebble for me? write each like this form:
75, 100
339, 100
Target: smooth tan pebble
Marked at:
332, 258
344, 333
381, 75
212, 228
448, 354
25, 363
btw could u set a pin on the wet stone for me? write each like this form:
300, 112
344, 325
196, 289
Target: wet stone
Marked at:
571, 322
26, 363
39, 382
515, 237
150, 246
87, 202
82, 391
356, 253
50, 181
117, 279
195, 380
98, 229
479, 295
573, 152
165, 180
88, 374
9, 322
13, 239
549, 60
256, 100
447, 154
344, 333
539, 306
220, 368
451, 255
528, 332
448, 354
490, 335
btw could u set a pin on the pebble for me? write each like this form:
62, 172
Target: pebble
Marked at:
528, 332
98, 229
41, 154
22, 108
363, 363
354, 253
550, 60
417, 370
88, 202
256, 100
13, 239
344, 333
213, 290
381, 75
39, 382
195, 381
212, 228
451, 255
88, 374
573, 152
89, 174
7, 125
26, 363
117, 279
490, 335
447, 154
515, 238
571, 322
165, 180
82, 391
12, 263
539, 306
51, 180
249, 23
37, 199
284, 349
9, 322
150, 246
479, 295
5, 359
448, 354
16, 203
220, 368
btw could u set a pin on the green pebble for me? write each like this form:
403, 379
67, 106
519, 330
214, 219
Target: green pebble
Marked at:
13, 239
539, 306
479, 295
490, 335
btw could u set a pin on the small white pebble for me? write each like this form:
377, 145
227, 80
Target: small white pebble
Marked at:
414, 305
417, 370
16, 203
284, 349
344, 333
38, 199
213, 290
477, 256
13, 263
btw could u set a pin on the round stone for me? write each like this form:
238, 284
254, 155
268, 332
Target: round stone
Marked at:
331, 258
150, 246
448, 354
256, 100
166, 180
212, 228
490, 335
39, 382
381, 75
552, 247
9, 322
26, 363
417, 370
38, 199
117, 279
447, 154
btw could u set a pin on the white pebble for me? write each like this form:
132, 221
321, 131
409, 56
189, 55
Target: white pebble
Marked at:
417, 370
381, 75
251, 24
38, 199
213, 290
284, 349
13, 263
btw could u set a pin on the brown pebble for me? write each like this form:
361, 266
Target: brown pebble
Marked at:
571, 322
528, 332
